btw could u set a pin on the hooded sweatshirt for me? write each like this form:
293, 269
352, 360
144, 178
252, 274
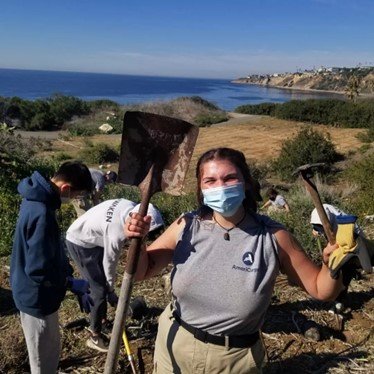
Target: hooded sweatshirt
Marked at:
39, 266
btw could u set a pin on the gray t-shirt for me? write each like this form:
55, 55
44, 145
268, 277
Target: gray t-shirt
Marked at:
224, 287
279, 201
98, 179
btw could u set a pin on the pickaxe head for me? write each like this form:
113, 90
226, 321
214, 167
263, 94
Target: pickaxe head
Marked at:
306, 173
307, 169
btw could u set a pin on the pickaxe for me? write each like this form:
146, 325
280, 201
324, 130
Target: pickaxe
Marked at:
306, 174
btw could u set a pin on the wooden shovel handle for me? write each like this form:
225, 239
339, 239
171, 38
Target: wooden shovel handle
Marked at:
312, 189
133, 255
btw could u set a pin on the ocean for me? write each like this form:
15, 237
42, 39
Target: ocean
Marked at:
132, 89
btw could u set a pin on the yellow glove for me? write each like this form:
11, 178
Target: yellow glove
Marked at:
347, 244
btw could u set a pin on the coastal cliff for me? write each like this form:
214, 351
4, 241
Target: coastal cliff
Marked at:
324, 79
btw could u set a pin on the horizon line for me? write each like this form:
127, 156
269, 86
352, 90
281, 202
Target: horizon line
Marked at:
106, 73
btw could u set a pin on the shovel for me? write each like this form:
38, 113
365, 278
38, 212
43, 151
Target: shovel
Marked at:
155, 153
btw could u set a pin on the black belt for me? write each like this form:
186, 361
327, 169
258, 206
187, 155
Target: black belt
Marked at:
233, 341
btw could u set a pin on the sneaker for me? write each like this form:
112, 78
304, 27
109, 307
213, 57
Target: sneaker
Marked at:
98, 342
106, 327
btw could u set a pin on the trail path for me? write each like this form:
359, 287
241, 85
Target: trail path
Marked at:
238, 119
47, 135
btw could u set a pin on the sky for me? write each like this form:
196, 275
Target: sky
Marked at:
189, 38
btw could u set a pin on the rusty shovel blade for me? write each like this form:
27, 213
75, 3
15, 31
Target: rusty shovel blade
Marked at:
151, 140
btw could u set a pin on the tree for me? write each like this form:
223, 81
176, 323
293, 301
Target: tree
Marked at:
352, 89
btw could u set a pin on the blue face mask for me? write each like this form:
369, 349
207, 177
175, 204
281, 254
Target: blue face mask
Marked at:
225, 200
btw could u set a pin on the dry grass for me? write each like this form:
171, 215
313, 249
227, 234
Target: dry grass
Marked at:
288, 350
260, 138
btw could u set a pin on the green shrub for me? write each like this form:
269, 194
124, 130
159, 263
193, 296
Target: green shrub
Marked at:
61, 156
98, 154
362, 174
11, 173
258, 171
42, 114
364, 148
63, 108
117, 124
17, 158
66, 217
79, 129
330, 112
366, 136
103, 104
117, 190
199, 100
309, 146
9, 205
184, 108
207, 119
171, 207
9, 208
264, 109
334, 112
41, 121
297, 221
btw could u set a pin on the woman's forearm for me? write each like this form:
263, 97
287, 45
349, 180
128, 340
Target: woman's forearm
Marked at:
143, 263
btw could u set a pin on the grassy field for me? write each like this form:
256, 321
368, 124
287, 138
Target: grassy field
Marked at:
259, 137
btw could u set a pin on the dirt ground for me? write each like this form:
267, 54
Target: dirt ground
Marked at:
345, 346
291, 313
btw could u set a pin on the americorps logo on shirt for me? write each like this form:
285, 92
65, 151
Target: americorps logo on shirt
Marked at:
247, 260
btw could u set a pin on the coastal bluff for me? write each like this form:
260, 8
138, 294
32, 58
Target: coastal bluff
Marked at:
323, 79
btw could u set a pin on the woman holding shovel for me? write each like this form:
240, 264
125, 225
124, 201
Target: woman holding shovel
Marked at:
226, 258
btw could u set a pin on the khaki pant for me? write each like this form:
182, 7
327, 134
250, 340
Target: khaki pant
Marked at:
178, 352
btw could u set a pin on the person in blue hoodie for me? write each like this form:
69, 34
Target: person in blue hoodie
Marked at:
40, 271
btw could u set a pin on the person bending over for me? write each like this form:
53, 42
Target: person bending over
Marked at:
100, 180
94, 242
